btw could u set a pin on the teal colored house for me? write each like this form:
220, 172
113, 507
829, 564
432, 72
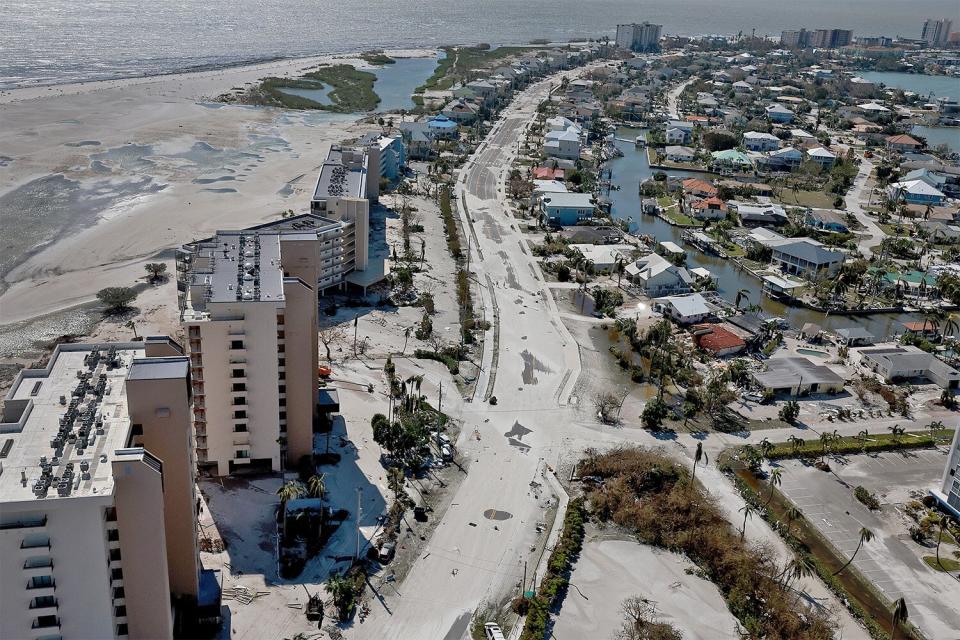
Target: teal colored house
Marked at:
567, 209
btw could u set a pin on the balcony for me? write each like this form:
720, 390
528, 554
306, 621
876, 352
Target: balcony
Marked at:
241, 438
30, 548
44, 606
37, 566
39, 586
45, 623
29, 523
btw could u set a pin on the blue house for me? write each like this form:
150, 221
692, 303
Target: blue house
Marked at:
916, 192
442, 128
826, 220
567, 209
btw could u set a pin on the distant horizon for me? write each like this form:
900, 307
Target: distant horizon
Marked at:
49, 42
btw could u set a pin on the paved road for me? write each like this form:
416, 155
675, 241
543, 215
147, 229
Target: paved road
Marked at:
471, 558
856, 200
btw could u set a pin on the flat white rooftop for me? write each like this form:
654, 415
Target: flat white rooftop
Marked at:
84, 429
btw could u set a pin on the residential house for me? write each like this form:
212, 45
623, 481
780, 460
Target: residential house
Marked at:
753, 215
742, 87
418, 139
913, 283
921, 328
805, 257
562, 144
676, 153
916, 192
786, 159
484, 90
460, 111
760, 141
826, 220
549, 173
907, 362
686, 309
676, 135
732, 159
939, 232
855, 337
801, 137
903, 142
699, 188
567, 209
709, 209
822, 156
796, 376
605, 256
657, 276
559, 123
779, 113
717, 340
443, 128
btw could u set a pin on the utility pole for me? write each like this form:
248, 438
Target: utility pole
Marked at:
359, 513
439, 403
356, 320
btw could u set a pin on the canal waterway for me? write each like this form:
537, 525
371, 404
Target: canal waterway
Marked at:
632, 168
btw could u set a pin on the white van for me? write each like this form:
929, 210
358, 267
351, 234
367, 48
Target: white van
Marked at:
492, 631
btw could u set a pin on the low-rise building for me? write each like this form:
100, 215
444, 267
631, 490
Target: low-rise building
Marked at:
779, 113
685, 309
657, 276
605, 256
709, 209
798, 376
460, 111
562, 144
826, 220
675, 153
908, 362
760, 141
764, 214
822, 156
677, 136
855, 337
717, 340
916, 192
805, 257
732, 159
903, 142
699, 188
566, 209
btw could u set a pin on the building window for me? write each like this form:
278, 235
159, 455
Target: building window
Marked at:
46, 622
240, 428
116, 574
282, 375
110, 513
239, 386
240, 400
238, 373
43, 602
282, 388
283, 415
118, 593
114, 555
236, 344
281, 335
242, 454
240, 415
113, 535
40, 582
120, 612
281, 348
283, 402
122, 629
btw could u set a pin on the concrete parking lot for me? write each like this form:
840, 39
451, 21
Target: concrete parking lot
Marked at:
892, 560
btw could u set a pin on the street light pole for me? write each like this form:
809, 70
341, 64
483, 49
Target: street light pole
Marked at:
359, 513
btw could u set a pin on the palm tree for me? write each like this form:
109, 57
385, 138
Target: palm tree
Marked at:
698, 455
801, 566
620, 265
897, 432
289, 490
900, 615
825, 443
862, 438
742, 295
747, 510
944, 521
766, 447
865, 536
935, 426
343, 597
795, 442
950, 325
793, 513
776, 479
316, 486
130, 324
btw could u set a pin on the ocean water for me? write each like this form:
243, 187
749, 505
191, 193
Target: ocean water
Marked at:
55, 41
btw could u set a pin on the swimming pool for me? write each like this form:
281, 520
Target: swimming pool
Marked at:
813, 352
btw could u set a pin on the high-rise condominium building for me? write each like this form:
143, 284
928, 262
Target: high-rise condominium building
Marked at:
639, 37
831, 38
936, 32
98, 520
795, 39
248, 303
949, 490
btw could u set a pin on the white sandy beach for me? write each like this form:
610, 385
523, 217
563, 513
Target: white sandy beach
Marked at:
148, 163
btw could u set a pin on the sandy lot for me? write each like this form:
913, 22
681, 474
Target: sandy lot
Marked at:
609, 571
97, 178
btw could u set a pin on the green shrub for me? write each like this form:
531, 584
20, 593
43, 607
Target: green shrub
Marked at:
867, 498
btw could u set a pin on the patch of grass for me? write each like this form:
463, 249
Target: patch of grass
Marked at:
459, 64
351, 90
852, 444
814, 199
946, 564
377, 58
681, 219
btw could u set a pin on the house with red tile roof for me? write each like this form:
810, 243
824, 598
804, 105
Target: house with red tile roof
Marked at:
699, 188
903, 142
709, 208
717, 340
548, 173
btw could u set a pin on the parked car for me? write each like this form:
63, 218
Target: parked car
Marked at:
387, 552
